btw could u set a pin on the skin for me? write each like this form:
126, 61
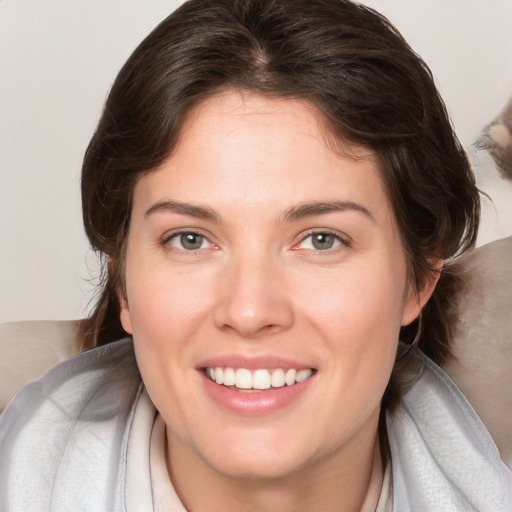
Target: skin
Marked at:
258, 286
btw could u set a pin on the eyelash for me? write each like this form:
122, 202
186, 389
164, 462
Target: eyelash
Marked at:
341, 241
168, 237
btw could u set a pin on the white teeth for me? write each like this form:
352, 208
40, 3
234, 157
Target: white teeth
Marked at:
261, 379
278, 379
243, 379
302, 375
290, 377
229, 377
258, 379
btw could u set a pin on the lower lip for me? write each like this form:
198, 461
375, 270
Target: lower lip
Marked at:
255, 403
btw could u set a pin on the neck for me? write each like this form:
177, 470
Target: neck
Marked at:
351, 482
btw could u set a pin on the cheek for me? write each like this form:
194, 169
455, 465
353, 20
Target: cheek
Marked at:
358, 315
164, 302
353, 324
357, 302
167, 311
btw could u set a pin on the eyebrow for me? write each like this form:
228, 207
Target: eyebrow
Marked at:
292, 214
190, 210
322, 208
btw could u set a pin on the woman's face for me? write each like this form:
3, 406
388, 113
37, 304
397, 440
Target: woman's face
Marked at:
258, 256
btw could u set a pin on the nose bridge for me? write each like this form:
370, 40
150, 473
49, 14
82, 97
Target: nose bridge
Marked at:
253, 296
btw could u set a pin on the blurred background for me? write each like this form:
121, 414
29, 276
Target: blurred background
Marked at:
58, 59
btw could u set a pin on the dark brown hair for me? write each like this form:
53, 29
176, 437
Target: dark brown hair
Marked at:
345, 59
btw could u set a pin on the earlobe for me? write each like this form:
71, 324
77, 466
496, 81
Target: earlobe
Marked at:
124, 310
124, 313
418, 296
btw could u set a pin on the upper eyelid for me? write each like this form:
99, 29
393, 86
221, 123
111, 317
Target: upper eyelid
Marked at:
165, 240
342, 237
344, 242
318, 231
182, 231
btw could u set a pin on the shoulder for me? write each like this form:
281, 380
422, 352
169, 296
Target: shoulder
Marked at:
66, 431
442, 455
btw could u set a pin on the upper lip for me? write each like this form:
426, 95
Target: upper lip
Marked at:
252, 362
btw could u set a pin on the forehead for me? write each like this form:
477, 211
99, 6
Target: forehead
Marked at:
294, 115
242, 147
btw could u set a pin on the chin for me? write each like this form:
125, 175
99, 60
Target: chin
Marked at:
265, 453
260, 464
239, 448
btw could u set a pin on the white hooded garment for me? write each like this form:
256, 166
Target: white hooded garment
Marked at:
64, 442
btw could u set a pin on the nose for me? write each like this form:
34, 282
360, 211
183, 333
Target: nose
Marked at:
253, 297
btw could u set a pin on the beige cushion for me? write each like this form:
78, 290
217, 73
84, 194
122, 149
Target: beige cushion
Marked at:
482, 343
29, 349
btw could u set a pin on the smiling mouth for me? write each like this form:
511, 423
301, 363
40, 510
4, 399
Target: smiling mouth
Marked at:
242, 379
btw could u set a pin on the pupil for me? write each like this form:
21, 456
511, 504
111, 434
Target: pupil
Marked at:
323, 241
191, 241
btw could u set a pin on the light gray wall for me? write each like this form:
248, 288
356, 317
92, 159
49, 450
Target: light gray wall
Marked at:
57, 61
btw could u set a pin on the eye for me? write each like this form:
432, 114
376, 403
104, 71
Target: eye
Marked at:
188, 241
320, 241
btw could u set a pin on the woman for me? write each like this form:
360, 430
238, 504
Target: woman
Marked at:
277, 191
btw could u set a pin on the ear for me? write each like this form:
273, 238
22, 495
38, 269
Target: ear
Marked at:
417, 296
124, 310
124, 313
